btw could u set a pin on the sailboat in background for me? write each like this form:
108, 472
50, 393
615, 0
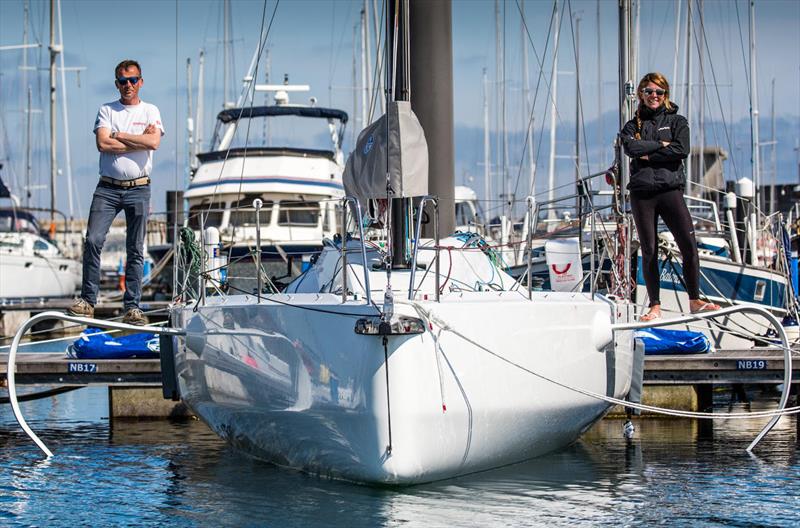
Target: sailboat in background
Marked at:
32, 266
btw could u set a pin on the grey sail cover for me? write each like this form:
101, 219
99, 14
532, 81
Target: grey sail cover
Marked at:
365, 173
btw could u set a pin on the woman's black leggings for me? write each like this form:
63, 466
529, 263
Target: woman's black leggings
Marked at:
671, 207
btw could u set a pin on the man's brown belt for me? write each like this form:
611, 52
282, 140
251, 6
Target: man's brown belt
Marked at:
138, 182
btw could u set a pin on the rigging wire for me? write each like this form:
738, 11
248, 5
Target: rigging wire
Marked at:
250, 86
377, 70
744, 55
716, 90
579, 102
540, 63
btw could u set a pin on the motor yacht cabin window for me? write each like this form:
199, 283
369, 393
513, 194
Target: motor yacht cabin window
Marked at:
299, 214
212, 215
244, 214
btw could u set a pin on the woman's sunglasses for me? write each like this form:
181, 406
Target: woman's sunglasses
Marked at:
125, 80
651, 91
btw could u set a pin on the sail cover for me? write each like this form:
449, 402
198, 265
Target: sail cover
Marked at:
365, 174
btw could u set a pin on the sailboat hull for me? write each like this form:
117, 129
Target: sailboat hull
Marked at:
320, 402
31, 276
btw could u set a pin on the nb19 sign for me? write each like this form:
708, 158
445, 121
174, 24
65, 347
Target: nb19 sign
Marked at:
751, 364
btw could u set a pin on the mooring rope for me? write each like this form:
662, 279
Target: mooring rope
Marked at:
782, 410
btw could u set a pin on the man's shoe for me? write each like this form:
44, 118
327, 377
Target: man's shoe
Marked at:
134, 316
81, 308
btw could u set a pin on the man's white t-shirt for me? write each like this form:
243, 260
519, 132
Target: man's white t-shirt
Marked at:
132, 119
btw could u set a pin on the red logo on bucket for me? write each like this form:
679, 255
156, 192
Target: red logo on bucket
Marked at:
561, 272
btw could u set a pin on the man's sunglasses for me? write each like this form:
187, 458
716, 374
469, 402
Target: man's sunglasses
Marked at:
125, 80
651, 91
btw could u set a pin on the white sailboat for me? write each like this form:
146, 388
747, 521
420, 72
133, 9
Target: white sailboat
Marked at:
373, 368
31, 266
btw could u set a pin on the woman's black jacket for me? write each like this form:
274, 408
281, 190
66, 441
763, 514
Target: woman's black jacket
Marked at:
663, 170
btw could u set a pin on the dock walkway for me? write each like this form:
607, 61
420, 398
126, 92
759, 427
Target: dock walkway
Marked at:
723, 367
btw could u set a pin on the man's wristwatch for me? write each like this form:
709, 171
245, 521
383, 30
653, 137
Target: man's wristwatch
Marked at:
114, 135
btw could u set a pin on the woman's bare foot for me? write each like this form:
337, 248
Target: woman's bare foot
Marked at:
652, 314
699, 305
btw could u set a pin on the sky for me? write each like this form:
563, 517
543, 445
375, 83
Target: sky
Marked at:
312, 41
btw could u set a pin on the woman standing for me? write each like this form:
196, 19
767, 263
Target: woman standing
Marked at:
657, 141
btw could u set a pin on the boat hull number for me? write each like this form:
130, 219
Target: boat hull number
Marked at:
82, 368
751, 364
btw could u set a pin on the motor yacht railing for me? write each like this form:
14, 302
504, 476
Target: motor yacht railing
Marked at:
435, 201
353, 201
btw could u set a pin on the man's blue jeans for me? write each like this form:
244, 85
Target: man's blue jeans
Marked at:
107, 202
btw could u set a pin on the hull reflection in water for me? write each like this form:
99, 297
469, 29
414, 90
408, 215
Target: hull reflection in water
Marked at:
289, 381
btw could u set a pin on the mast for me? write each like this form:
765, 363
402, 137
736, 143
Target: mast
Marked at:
53, 164
773, 206
198, 122
267, 131
189, 121
26, 14
526, 113
227, 53
756, 158
602, 126
378, 55
701, 108
355, 88
65, 114
431, 75
674, 77
28, 168
551, 174
627, 92
506, 179
487, 173
688, 109
364, 73
367, 62
498, 51
577, 107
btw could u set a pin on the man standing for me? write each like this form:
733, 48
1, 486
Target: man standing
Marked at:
127, 131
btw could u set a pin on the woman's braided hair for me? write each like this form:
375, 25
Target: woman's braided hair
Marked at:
660, 81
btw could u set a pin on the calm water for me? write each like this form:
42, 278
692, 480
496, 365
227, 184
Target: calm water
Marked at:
675, 472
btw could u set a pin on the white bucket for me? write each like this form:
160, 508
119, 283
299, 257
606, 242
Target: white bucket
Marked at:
563, 258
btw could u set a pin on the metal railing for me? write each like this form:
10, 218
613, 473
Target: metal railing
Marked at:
435, 201
781, 333
352, 200
12, 358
